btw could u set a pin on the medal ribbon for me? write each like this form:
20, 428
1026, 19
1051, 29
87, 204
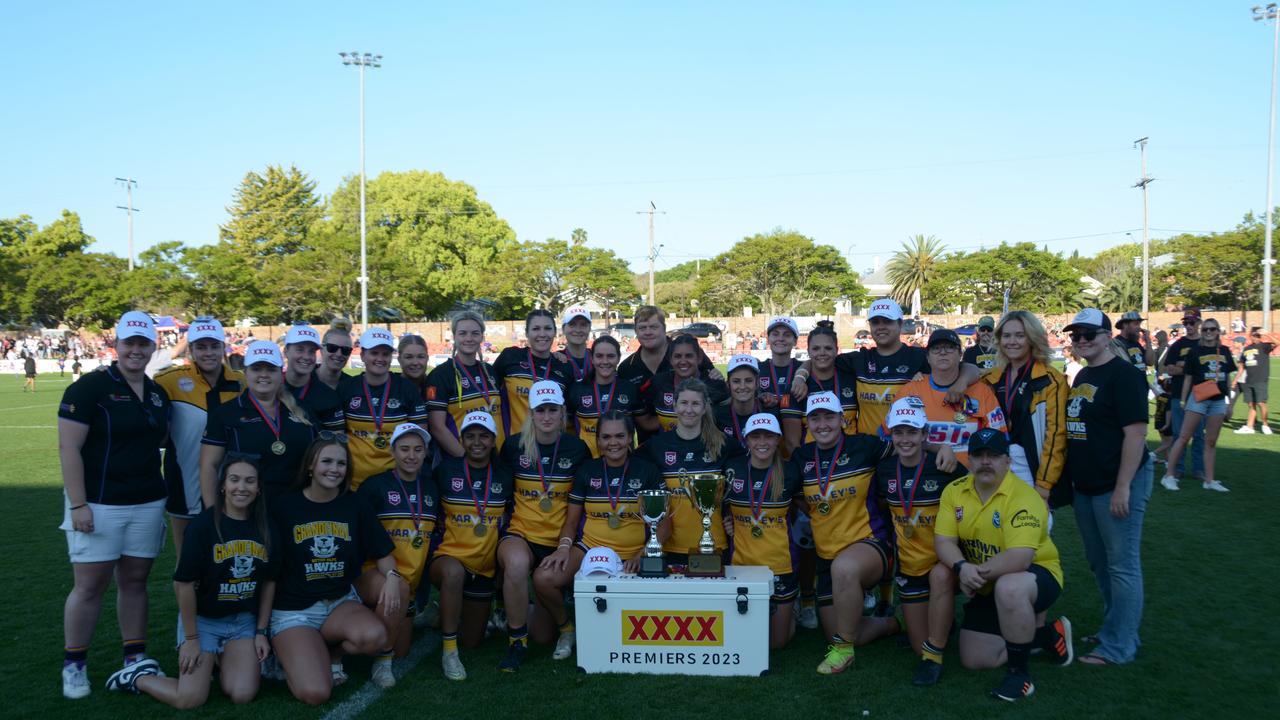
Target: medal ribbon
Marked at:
757, 509
773, 373
737, 426
480, 376
835, 382
533, 367
415, 511
580, 373
823, 485
488, 478
1012, 382
613, 501
595, 392
302, 395
908, 503
382, 411
538, 461
273, 424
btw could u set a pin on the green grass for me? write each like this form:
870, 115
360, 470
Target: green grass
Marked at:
1209, 636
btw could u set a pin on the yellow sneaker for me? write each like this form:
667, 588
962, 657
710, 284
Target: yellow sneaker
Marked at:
839, 658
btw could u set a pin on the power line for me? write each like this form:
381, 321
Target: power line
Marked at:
129, 184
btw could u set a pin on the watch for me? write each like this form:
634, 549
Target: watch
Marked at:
264, 632
956, 567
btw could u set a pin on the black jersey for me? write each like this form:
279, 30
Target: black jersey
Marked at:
660, 399
674, 456
517, 370
321, 400
227, 562
239, 426
323, 547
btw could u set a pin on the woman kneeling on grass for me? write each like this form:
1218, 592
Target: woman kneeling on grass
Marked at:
225, 558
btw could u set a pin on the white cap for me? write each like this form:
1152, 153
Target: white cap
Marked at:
575, 312
885, 308
136, 324
907, 411
375, 336
263, 351
405, 428
1090, 318
600, 562
762, 421
481, 418
302, 333
825, 400
784, 321
545, 392
738, 361
205, 328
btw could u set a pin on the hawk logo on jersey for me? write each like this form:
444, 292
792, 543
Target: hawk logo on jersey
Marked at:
929, 485
565, 463
465, 382
393, 403
668, 398
393, 497
587, 401
1080, 395
155, 400
596, 483
634, 483
186, 384
846, 392
355, 403
456, 484
669, 457
242, 566
959, 514
497, 487
323, 546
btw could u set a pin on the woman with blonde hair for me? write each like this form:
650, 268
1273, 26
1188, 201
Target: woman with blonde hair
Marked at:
336, 352
1033, 396
460, 385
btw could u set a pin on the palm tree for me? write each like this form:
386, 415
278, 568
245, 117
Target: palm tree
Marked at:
914, 266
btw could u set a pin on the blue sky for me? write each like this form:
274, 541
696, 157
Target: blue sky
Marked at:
858, 124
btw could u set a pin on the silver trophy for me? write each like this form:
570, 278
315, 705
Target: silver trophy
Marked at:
654, 506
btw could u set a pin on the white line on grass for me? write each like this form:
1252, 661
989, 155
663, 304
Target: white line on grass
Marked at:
27, 427
366, 696
31, 407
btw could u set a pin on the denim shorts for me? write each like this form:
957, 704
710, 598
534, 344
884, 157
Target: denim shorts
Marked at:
215, 633
312, 617
1216, 406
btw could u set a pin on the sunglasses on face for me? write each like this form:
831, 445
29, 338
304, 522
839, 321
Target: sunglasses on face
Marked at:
331, 348
1210, 329
1084, 335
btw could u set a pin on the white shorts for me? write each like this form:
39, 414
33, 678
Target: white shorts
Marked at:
118, 530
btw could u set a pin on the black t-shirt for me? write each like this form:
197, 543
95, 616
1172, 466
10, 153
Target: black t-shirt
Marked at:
984, 358
321, 400
322, 546
121, 453
226, 567
237, 426
1136, 352
1204, 363
1256, 361
777, 382
29, 365
1104, 399
633, 369
1177, 353
660, 398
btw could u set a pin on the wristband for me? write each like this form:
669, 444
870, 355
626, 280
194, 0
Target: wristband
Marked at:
77, 507
394, 572
263, 632
956, 567
192, 637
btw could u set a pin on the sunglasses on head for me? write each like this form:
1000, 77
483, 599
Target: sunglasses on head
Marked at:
331, 348
1084, 335
329, 435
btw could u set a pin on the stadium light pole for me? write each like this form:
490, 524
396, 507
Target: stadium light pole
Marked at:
362, 61
1264, 14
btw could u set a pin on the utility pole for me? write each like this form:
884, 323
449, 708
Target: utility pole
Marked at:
129, 184
1264, 14
1143, 182
362, 62
653, 209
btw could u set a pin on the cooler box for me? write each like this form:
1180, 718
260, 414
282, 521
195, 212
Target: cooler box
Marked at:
675, 625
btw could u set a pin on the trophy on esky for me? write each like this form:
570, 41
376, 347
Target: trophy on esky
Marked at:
653, 508
705, 489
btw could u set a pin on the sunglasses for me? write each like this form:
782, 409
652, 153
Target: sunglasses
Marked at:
329, 435
1210, 329
344, 349
1084, 335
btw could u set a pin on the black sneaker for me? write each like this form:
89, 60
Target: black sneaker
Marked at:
1062, 652
927, 673
515, 655
1014, 687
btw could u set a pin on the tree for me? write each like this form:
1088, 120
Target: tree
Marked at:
1122, 293
1219, 269
1035, 279
555, 274
272, 214
161, 281
911, 268
80, 289
781, 273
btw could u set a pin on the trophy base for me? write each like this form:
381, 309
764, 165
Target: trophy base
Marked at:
653, 567
708, 565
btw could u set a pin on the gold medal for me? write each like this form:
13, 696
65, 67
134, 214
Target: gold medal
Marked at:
824, 507
545, 503
480, 530
278, 447
380, 442
960, 416
417, 541
908, 531
615, 522
757, 531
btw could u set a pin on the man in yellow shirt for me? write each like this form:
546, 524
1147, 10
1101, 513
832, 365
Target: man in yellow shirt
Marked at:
992, 530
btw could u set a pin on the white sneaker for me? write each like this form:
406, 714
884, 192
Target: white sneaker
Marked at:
1246, 430
807, 616
124, 678
382, 675
1169, 482
75, 681
564, 645
869, 602
453, 669
1266, 429
338, 672
427, 617
1215, 486
497, 621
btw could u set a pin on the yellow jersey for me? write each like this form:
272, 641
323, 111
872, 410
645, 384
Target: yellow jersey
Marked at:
463, 508
837, 488
542, 486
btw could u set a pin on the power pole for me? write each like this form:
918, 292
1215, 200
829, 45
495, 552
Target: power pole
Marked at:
1143, 182
129, 184
653, 209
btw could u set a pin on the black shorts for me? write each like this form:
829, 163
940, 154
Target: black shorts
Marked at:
31, 375
912, 588
823, 570
1254, 394
980, 614
785, 589
1162, 415
476, 588
540, 552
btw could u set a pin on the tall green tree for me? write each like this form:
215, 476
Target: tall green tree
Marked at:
780, 273
272, 213
555, 274
911, 268
1035, 279
1220, 269
80, 289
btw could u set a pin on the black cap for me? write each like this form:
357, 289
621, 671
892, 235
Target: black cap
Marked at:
990, 440
943, 336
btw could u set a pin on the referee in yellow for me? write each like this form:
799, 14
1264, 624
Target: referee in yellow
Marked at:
992, 530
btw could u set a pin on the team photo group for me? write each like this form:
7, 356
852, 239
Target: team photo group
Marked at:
895, 492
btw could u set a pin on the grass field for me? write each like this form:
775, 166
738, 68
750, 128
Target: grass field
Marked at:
1210, 624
